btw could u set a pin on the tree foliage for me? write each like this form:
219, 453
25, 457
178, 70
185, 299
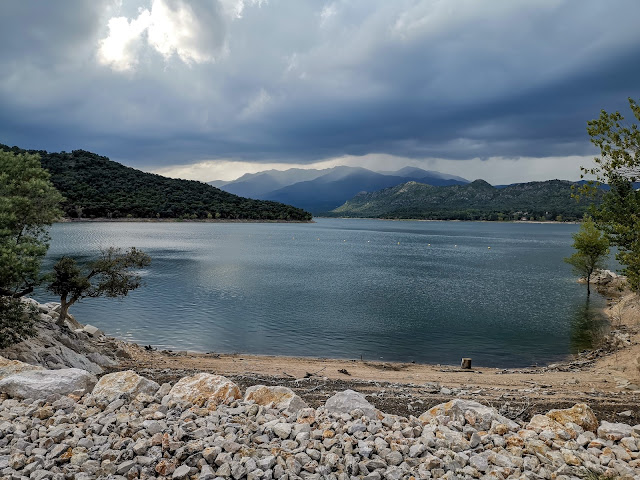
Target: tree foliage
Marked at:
592, 248
17, 321
28, 205
112, 275
619, 167
96, 187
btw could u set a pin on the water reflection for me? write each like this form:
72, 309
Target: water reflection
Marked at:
588, 327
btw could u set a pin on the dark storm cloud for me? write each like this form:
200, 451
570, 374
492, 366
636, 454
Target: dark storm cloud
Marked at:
303, 81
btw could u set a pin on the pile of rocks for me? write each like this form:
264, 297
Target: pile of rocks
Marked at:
125, 426
69, 345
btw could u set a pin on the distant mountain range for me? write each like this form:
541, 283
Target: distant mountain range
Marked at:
477, 200
320, 191
96, 187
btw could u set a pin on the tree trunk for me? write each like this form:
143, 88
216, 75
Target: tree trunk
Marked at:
64, 309
588, 285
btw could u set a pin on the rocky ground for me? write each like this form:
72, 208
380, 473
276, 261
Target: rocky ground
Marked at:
55, 424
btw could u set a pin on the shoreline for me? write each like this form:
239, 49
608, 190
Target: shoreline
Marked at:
603, 377
537, 222
174, 220
607, 378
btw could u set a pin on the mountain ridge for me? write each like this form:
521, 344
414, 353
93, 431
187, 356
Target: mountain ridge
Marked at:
477, 200
326, 189
96, 187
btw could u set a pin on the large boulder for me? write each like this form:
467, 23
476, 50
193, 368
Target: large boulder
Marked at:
580, 414
11, 367
205, 389
349, 400
43, 384
281, 398
468, 411
127, 384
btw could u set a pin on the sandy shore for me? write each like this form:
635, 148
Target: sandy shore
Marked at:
608, 378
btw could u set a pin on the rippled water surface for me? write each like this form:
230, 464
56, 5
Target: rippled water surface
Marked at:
424, 291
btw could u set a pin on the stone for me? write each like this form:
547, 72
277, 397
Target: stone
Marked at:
93, 331
42, 384
349, 400
11, 367
468, 411
280, 398
205, 389
282, 430
181, 472
614, 431
580, 414
542, 423
127, 384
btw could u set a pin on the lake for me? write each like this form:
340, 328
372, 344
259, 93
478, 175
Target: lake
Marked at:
429, 292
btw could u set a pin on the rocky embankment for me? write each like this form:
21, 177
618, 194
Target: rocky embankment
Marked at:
71, 345
64, 424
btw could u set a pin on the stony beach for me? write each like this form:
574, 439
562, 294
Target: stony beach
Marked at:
79, 404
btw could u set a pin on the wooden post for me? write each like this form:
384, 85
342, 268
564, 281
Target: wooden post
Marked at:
466, 363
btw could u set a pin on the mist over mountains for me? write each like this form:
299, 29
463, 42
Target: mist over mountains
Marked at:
320, 191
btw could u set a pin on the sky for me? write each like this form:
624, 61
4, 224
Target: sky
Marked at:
213, 89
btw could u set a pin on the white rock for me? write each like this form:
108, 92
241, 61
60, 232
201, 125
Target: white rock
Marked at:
41, 384
11, 367
93, 331
282, 430
127, 384
205, 388
468, 411
349, 400
614, 431
280, 398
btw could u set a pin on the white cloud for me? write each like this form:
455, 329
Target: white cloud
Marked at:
194, 32
119, 49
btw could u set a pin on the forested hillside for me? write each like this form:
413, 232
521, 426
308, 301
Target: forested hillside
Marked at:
96, 187
477, 200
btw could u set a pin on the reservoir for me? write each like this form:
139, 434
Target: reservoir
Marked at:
429, 292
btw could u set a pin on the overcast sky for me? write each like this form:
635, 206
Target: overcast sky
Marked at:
211, 89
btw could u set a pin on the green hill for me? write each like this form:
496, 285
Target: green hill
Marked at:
474, 201
96, 187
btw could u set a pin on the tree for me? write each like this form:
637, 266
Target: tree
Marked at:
618, 166
28, 205
112, 275
592, 248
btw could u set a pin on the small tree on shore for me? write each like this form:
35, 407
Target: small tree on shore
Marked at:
619, 167
112, 275
592, 248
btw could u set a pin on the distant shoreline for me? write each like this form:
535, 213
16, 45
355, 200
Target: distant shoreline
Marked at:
569, 222
175, 220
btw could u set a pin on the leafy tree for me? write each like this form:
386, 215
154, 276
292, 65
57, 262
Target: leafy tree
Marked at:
619, 166
16, 321
592, 248
112, 275
28, 205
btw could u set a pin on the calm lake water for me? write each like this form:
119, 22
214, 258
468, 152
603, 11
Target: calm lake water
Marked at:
428, 292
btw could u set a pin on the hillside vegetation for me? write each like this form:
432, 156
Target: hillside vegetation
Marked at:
477, 200
96, 187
